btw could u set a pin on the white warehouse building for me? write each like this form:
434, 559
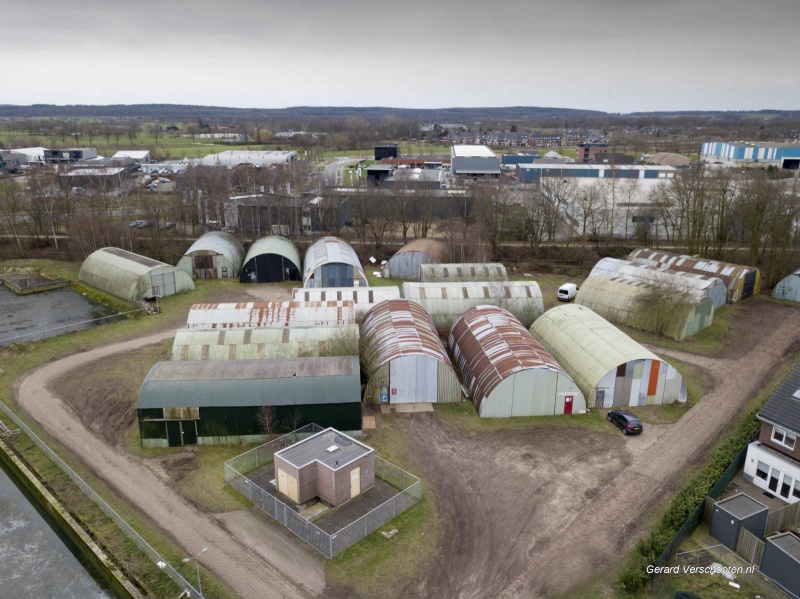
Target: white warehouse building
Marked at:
474, 161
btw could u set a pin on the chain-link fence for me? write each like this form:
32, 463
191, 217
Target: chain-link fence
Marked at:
67, 328
126, 528
328, 544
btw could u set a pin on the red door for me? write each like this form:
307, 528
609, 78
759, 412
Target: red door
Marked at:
568, 404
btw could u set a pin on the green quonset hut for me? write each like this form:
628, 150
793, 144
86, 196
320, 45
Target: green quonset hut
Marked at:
216, 402
130, 276
215, 255
271, 259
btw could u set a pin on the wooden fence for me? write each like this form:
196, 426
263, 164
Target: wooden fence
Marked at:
782, 517
750, 547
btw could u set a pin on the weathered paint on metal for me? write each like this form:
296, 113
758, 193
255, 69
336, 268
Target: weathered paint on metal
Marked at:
462, 273
406, 262
226, 249
507, 371
331, 250
364, 298
270, 314
788, 288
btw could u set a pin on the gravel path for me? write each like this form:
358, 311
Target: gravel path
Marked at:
270, 567
605, 526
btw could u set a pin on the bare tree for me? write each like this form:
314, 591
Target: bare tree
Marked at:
267, 420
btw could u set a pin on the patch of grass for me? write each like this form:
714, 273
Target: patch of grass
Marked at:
698, 383
380, 281
204, 482
464, 416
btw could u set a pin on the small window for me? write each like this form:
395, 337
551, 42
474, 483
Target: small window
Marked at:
762, 471
796, 491
781, 437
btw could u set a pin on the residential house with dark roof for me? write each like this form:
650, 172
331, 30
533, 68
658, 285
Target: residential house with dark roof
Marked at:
773, 460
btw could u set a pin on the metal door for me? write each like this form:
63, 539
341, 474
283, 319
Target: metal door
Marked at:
355, 481
283, 486
174, 433
189, 432
749, 284
568, 404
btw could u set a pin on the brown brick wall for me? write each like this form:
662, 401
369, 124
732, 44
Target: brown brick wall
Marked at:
765, 436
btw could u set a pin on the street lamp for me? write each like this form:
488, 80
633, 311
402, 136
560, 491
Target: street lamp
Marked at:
186, 560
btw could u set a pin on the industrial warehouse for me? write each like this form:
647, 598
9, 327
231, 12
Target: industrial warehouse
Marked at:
609, 367
332, 262
132, 277
406, 262
271, 259
509, 373
404, 357
462, 273
215, 255
446, 302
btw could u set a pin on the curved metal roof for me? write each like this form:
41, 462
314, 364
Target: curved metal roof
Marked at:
490, 345
462, 273
364, 298
586, 344
328, 250
269, 314
220, 242
432, 247
274, 244
126, 275
397, 328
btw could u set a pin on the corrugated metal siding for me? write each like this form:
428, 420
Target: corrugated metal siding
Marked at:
623, 300
595, 354
270, 254
406, 262
740, 281
270, 314
446, 302
462, 273
507, 371
364, 298
788, 288
332, 250
224, 246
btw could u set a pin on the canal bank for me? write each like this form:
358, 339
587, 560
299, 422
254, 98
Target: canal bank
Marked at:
39, 562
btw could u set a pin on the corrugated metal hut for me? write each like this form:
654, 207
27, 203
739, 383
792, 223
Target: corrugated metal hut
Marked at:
271, 259
406, 262
507, 371
364, 298
741, 281
209, 403
332, 262
687, 282
462, 273
609, 367
270, 315
130, 276
445, 302
626, 300
788, 288
261, 344
215, 255
404, 357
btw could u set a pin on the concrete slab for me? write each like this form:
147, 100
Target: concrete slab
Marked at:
386, 409
368, 422
315, 510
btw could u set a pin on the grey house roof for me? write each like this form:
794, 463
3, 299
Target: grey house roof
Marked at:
783, 408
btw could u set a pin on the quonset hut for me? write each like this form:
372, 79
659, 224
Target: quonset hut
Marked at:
130, 276
270, 315
332, 262
741, 281
406, 262
404, 357
658, 276
625, 300
462, 273
363, 298
263, 344
210, 403
788, 288
445, 302
507, 371
609, 367
271, 259
215, 255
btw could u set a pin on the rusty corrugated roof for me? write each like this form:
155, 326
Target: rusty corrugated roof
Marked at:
270, 314
489, 344
432, 247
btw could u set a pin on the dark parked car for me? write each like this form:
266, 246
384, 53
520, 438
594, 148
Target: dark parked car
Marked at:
628, 422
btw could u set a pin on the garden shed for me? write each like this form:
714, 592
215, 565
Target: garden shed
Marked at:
788, 288
609, 367
363, 298
740, 281
271, 259
214, 402
130, 276
215, 255
781, 561
686, 282
462, 273
507, 371
270, 314
263, 343
625, 300
445, 302
734, 513
404, 358
332, 262
406, 262
329, 465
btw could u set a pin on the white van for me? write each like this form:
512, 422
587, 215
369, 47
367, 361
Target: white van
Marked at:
567, 292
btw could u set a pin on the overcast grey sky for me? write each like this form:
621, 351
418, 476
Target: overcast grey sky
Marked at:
613, 55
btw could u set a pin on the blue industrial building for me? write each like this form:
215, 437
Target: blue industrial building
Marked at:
530, 173
743, 152
511, 159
